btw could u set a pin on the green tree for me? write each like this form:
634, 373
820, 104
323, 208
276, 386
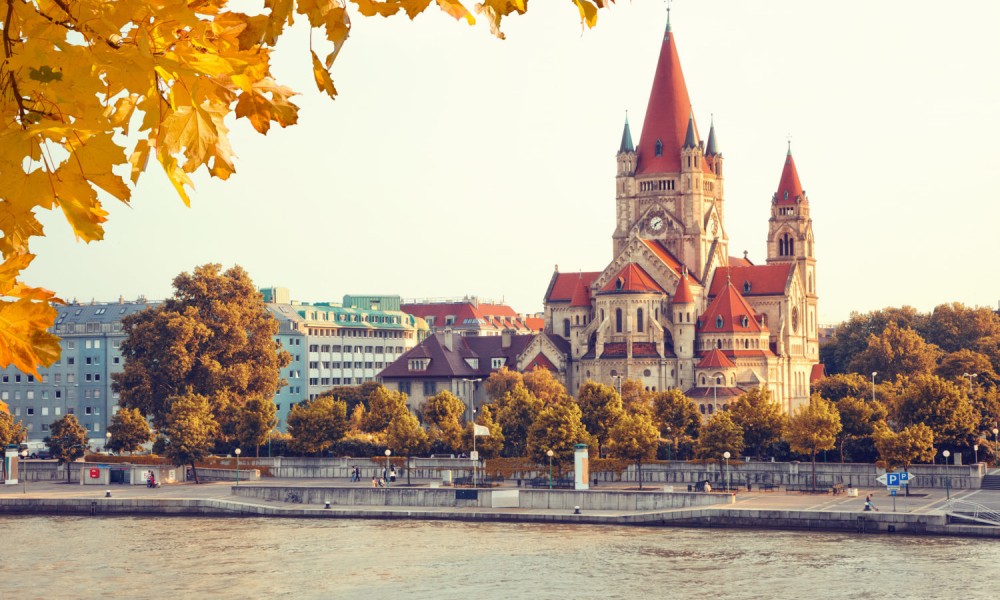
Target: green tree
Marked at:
760, 418
516, 410
316, 425
899, 450
941, 405
858, 418
129, 431
384, 405
67, 441
895, 352
353, 395
502, 382
718, 435
843, 385
634, 438
601, 407
190, 430
214, 338
490, 446
557, 428
406, 437
443, 418
813, 428
543, 385
962, 363
255, 422
677, 418
851, 337
955, 326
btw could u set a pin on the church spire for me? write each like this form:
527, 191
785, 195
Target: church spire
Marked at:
626, 145
789, 188
690, 139
710, 147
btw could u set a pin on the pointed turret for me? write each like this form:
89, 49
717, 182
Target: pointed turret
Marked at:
626, 145
691, 139
682, 295
789, 188
711, 148
667, 114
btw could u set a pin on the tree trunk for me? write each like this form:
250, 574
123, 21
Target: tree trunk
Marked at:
638, 467
194, 472
814, 469
842, 442
407, 470
67, 471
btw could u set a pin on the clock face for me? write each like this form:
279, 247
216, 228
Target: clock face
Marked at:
656, 223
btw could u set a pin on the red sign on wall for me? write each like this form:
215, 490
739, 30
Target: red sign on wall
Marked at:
95, 473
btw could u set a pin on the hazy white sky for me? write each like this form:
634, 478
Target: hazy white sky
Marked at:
454, 163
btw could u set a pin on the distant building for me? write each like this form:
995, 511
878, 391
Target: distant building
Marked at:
470, 316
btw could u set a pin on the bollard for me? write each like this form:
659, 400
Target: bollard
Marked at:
327, 504
576, 510
107, 493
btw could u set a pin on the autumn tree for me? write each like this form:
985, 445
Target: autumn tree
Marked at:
11, 431
676, 416
543, 385
406, 437
129, 431
899, 450
254, 422
968, 367
635, 397
557, 428
190, 430
442, 414
843, 385
895, 352
634, 437
214, 338
955, 326
67, 441
488, 446
939, 404
851, 337
317, 424
813, 428
384, 405
718, 435
601, 407
858, 418
516, 410
761, 419
502, 382
353, 395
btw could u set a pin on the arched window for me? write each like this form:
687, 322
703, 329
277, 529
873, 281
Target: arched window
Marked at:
719, 342
702, 380
718, 380
602, 315
618, 320
701, 407
577, 320
747, 286
719, 322
711, 409
638, 319
565, 328
659, 148
791, 247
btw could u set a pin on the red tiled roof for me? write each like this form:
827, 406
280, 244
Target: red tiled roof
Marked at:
633, 279
730, 310
715, 359
581, 295
485, 316
541, 360
614, 350
736, 261
818, 372
535, 324
564, 285
644, 350
789, 188
663, 254
666, 115
765, 280
682, 295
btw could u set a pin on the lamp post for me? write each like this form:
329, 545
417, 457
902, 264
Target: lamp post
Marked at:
388, 453
238, 451
24, 475
670, 442
874, 373
472, 397
976, 448
996, 447
550, 454
947, 479
107, 442
618, 383
726, 456
969, 376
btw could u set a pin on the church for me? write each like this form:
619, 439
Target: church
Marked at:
673, 309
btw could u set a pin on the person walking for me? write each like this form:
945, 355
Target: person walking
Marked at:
869, 505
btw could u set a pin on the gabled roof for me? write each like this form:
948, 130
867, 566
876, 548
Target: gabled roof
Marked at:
789, 188
564, 285
542, 361
715, 359
451, 363
729, 313
668, 259
468, 315
667, 114
739, 261
632, 279
754, 280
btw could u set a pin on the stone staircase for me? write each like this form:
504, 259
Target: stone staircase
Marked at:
990, 482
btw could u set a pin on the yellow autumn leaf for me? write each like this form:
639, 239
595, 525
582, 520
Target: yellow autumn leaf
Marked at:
457, 10
261, 109
11, 269
24, 339
588, 11
79, 203
322, 76
139, 159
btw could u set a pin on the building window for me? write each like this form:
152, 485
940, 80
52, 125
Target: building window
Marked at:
618, 320
719, 322
430, 388
404, 387
638, 318
659, 148
566, 328
496, 363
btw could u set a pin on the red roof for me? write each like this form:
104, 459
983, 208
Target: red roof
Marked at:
668, 259
666, 115
818, 372
633, 279
736, 261
789, 189
542, 361
715, 359
467, 315
564, 285
754, 280
535, 324
615, 350
644, 350
682, 295
729, 313
581, 295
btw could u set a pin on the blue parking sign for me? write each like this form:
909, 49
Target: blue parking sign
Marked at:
891, 479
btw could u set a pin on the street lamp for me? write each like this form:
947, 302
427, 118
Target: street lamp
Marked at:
670, 443
947, 479
969, 376
238, 451
24, 475
388, 453
874, 373
976, 448
472, 396
107, 442
996, 447
726, 456
550, 454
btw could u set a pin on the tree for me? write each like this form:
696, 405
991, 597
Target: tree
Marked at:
543, 385
957, 364
11, 431
316, 425
858, 419
813, 428
939, 404
843, 385
67, 441
718, 435
913, 444
760, 418
896, 352
601, 407
502, 382
129, 431
851, 338
635, 397
634, 438
255, 422
353, 395
955, 326
557, 428
406, 437
78, 76
516, 410
214, 338
490, 446
676, 416
384, 405
443, 418
189, 431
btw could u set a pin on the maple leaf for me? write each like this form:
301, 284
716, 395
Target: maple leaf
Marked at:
256, 106
322, 76
24, 339
457, 10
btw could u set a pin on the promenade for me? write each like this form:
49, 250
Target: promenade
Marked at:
922, 513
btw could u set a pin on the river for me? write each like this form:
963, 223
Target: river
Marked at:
141, 557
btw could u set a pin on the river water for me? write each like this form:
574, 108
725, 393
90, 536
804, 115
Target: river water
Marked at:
141, 557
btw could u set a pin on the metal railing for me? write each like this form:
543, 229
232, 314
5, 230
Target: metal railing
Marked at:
972, 511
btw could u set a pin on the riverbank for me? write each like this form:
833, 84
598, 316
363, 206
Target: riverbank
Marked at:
921, 514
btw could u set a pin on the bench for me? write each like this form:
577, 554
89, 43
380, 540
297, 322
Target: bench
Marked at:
481, 481
543, 482
767, 487
806, 488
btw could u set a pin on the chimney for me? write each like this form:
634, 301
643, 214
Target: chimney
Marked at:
505, 339
448, 342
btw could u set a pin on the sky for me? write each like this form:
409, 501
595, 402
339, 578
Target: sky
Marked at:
453, 163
